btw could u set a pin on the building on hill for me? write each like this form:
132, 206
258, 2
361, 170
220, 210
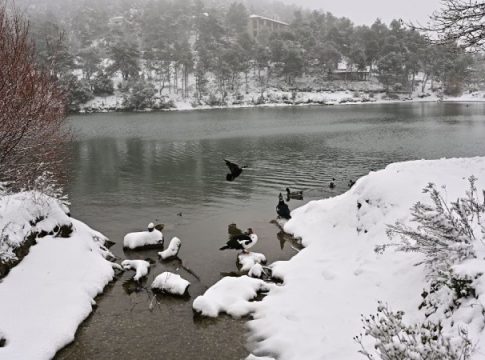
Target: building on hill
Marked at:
347, 72
260, 26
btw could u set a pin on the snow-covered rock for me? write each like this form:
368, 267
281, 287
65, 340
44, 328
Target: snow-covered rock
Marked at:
256, 271
231, 295
170, 283
50, 292
140, 266
248, 260
143, 238
172, 250
24, 213
338, 276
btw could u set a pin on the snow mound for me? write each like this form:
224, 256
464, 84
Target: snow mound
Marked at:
248, 260
50, 292
256, 271
231, 295
140, 266
143, 238
26, 212
172, 250
170, 283
339, 276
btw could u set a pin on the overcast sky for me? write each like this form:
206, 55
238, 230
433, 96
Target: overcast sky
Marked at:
366, 11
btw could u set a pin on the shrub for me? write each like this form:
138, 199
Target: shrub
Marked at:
33, 136
444, 233
395, 340
102, 84
141, 96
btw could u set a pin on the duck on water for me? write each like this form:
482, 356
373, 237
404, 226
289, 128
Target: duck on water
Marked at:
241, 241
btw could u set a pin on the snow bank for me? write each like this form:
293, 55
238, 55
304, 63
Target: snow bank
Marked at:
172, 250
26, 212
231, 295
50, 292
143, 238
339, 276
248, 260
170, 283
140, 266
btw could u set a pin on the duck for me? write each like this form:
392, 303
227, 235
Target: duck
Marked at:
282, 208
241, 241
351, 183
235, 170
332, 184
297, 195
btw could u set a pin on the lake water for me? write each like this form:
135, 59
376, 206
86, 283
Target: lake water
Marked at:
131, 169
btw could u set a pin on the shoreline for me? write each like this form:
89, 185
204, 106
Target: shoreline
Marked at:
306, 99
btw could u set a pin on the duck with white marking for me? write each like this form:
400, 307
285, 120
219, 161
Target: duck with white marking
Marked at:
332, 184
241, 241
282, 209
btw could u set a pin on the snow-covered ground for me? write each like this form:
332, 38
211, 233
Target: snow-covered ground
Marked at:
51, 291
338, 276
311, 92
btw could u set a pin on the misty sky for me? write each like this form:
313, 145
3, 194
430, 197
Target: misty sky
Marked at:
366, 11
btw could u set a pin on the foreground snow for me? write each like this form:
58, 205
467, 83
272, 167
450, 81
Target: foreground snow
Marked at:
51, 291
338, 276
230, 295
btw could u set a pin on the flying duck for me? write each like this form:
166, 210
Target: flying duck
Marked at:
282, 208
235, 170
241, 241
297, 195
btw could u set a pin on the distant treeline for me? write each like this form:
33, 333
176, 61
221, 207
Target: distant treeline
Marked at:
170, 41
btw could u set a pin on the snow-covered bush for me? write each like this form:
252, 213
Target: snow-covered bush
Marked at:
102, 84
445, 233
140, 97
450, 238
396, 340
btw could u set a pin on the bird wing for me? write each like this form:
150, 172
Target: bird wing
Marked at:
232, 166
233, 230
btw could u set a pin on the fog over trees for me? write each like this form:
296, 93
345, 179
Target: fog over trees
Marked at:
159, 45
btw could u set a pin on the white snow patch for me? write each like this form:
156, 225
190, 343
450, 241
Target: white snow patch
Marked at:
338, 276
143, 238
50, 292
252, 357
256, 271
140, 266
170, 283
172, 250
248, 260
230, 295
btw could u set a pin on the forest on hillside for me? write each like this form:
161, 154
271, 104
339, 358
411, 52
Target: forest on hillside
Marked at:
158, 45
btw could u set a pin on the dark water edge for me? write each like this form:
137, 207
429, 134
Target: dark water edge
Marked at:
130, 169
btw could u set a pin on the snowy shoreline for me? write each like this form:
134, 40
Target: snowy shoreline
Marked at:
51, 291
338, 276
112, 104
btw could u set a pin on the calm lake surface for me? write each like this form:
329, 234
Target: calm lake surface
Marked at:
131, 169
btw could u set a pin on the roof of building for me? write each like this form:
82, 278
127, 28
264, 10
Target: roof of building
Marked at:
267, 18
